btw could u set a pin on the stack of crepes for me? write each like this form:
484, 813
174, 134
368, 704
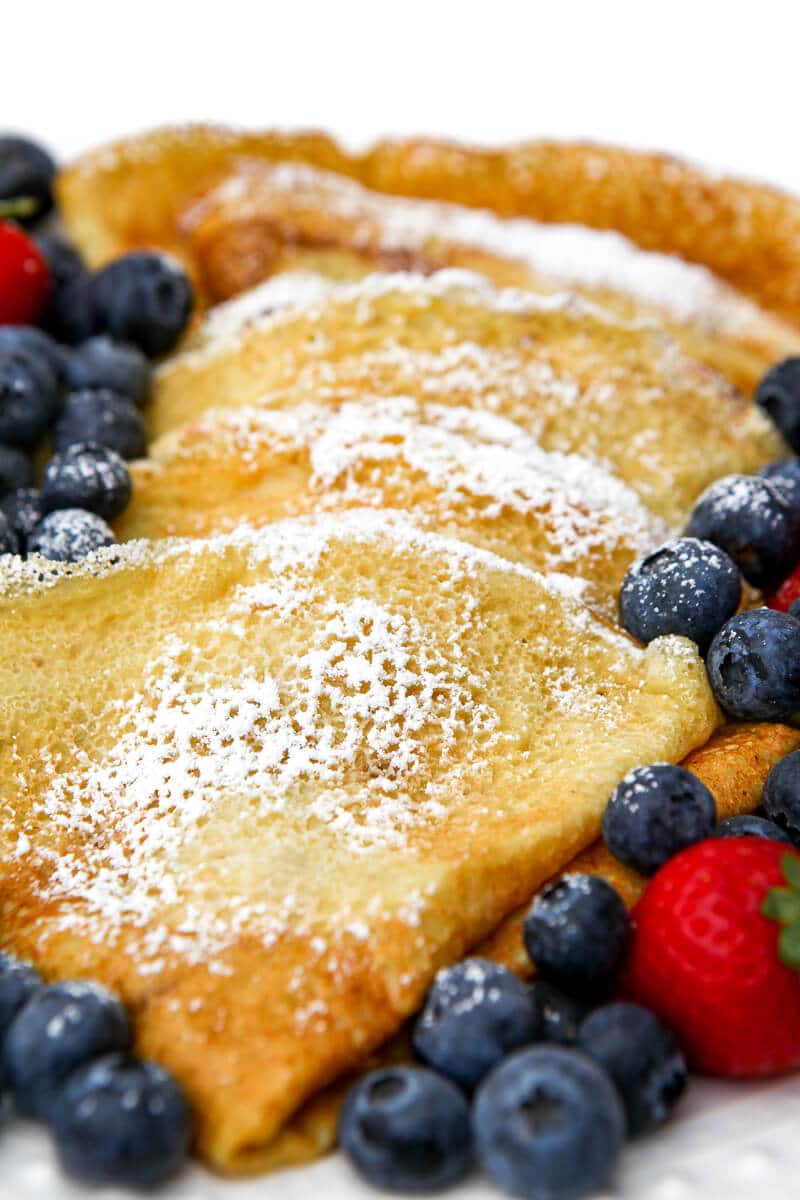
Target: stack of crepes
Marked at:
353, 686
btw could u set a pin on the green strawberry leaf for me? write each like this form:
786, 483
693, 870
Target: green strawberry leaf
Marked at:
789, 946
790, 865
782, 904
20, 206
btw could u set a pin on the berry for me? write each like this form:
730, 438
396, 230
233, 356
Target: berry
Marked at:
68, 535
103, 363
548, 1123
406, 1129
68, 314
577, 935
781, 796
28, 398
121, 1123
16, 470
654, 812
687, 587
705, 958
18, 982
747, 825
9, 542
778, 394
87, 476
23, 511
26, 174
754, 666
60, 1028
145, 299
475, 1013
754, 522
24, 277
103, 418
787, 594
784, 475
37, 345
560, 1016
643, 1059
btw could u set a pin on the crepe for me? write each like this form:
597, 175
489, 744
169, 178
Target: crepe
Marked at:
264, 785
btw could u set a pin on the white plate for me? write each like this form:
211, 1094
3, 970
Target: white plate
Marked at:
728, 1142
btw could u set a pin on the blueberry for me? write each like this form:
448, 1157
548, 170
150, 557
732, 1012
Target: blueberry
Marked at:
778, 394
748, 825
406, 1129
68, 315
37, 344
781, 796
9, 542
785, 475
642, 1057
121, 1123
26, 172
548, 1124
576, 933
18, 982
475, 1013
655, 812
68, 535
23, 511
753, 521
686, 586
28, 398
16, 470
59, 1029
87, 476
754, 666
560, 1016
145, 299
104, 418
103, 363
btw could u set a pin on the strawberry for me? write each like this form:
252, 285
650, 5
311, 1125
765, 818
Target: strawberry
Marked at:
788, 591
24, 277
709, 955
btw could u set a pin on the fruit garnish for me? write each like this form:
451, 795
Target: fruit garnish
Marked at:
24, 277
782, 904
789, 591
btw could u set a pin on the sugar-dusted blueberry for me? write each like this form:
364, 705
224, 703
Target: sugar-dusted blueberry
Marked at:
559, 1015
476, 1012
28, 398
785, 475
577, 933
548, 1124
101, 417
778, 394
143, 298
22, 509
654, 812
68, 314
60, 1028
754, 522
781, 797
642, 1057
37, 344
69, 534
26, 174
103, 363
16, 469
406, 1129
687, 587
750, 825
87, 476
754, 666
18, 982
121, 1122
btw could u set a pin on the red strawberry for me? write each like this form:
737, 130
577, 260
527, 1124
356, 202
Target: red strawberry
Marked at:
787, 592
24, 277
706, 959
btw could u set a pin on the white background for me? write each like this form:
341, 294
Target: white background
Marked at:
716, 81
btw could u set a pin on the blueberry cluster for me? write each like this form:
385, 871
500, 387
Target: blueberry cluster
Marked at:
77, 382
541, 1083
65, 1059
